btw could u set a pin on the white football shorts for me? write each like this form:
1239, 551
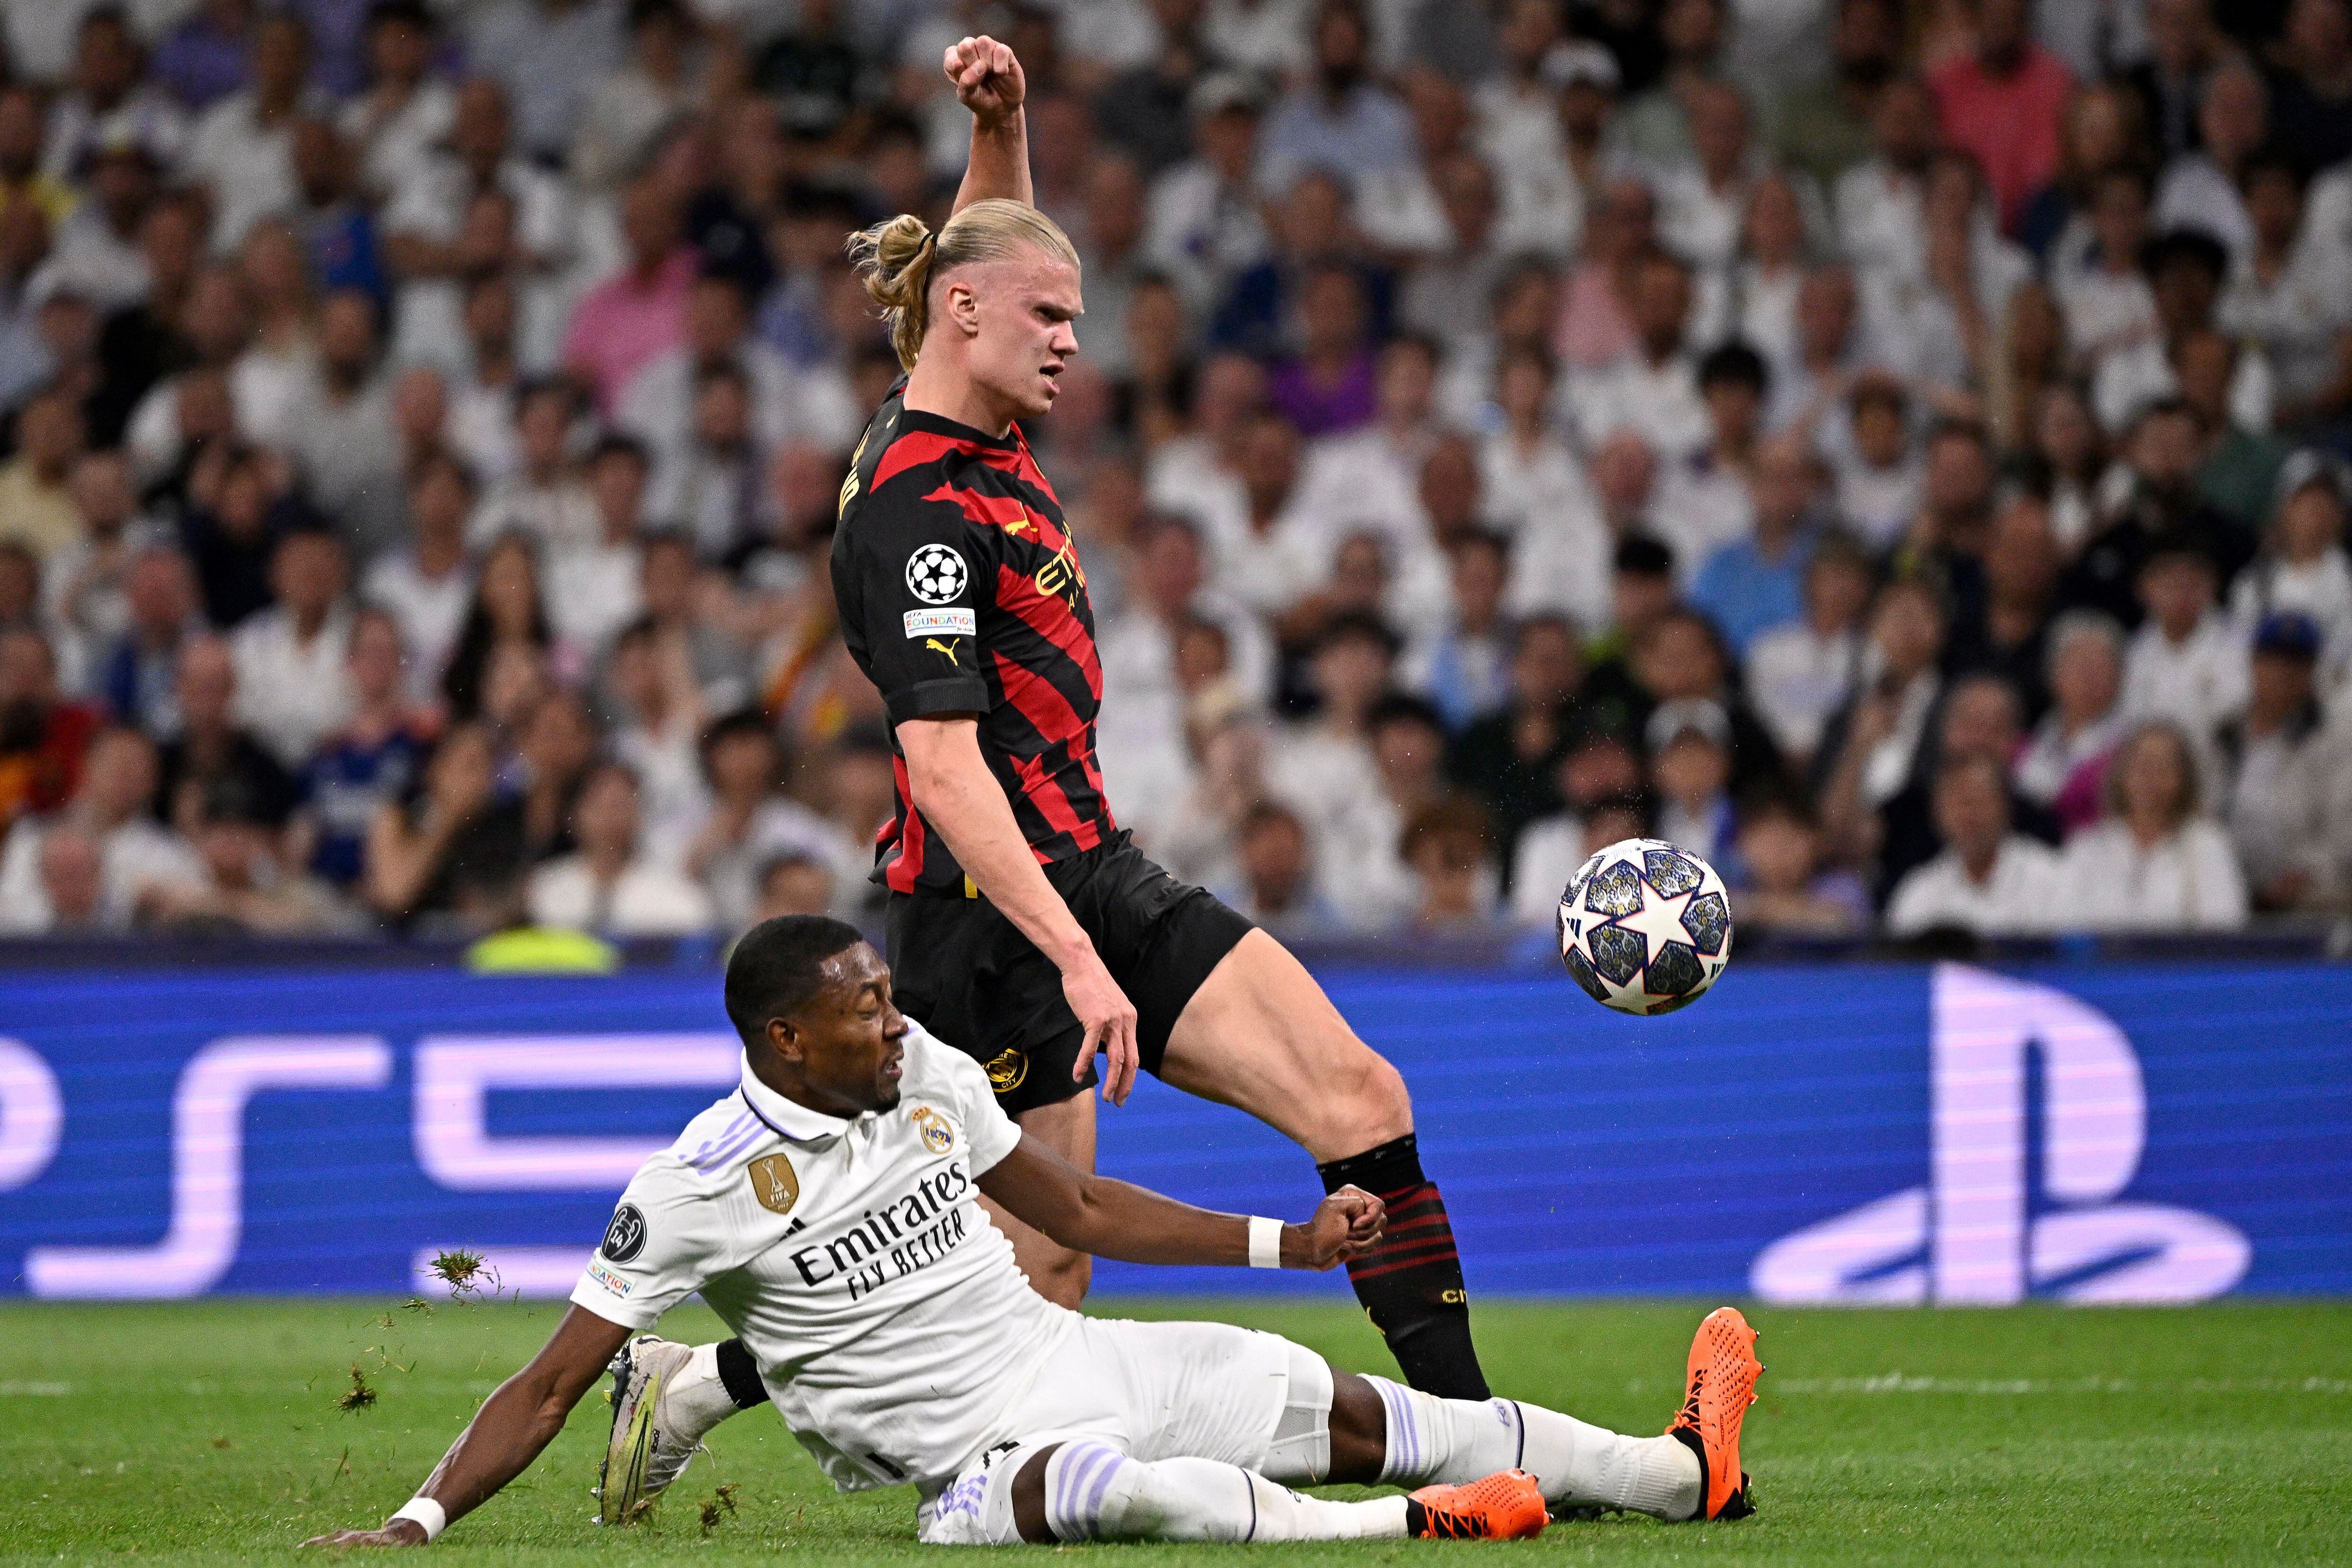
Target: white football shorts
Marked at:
1154, 1391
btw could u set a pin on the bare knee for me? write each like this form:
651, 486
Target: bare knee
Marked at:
1360, 1106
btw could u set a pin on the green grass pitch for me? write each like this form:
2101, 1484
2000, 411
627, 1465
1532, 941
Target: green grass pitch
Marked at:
212, 1432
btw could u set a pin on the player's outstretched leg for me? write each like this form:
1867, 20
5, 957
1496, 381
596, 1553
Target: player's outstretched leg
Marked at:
1260, 1035
665, 1398
1088, 1491
1692, 1472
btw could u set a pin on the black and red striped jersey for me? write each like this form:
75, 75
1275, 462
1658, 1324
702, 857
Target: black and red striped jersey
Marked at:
961, 591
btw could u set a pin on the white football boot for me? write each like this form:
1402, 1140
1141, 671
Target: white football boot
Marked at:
661, 1411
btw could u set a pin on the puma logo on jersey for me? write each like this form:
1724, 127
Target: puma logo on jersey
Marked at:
946, 650
1016, 525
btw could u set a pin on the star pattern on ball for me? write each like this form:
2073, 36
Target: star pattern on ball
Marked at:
1660, 919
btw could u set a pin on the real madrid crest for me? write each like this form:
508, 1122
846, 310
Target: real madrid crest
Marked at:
939, 1133
775, 1184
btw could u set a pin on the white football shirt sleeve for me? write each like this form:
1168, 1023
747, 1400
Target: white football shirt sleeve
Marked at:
992, 1133
663, 1241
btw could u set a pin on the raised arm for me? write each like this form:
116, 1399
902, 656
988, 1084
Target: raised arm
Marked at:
961, 799
1107, 1218
987, 81
513, 1424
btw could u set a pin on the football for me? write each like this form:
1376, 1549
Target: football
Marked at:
1645, 928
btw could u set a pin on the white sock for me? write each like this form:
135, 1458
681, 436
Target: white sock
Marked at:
1455, 1440
696, 1399
1094, 1492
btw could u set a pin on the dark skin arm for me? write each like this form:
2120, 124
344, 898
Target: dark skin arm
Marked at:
508, 1431
1107, 1219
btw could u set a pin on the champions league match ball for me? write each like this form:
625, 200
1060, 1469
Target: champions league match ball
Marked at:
1644, 928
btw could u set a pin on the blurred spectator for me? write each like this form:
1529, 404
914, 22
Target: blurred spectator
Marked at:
1879, 476
2063, 763
750, 826
242, 149
427, 585
1651, 388
343, 434
36, 507
2187, 662
1705, 502
1989, 881
1460, 667
137, 673
291, 679
1597, 768
1879, 743
2312, 96
543, 498
1785, 888
2160, 503
44, 735
624, 110
405, 110
1823, 125
1756, 585
1323, 767
1276, 886
608, 885
1202, 220
592, 588
1689, 742
2003, 102
638, 314
2288, 776
247, 885
211, 745
1678, 657
1327, 386
1801, 672
2156, 863
506, 610
452, 826
2183, 46
2005, 632
106, 98
1507, 757
1447, 843
370, 763
792, 882
109, 814
548, 55
2302, 569
1338, 118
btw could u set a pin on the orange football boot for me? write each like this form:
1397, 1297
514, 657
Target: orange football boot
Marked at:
1723, 1373
1505, 1506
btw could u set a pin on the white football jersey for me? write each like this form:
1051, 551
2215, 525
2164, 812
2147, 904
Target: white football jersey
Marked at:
887, 1317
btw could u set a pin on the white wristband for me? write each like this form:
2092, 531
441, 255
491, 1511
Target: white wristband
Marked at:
1265, 1242
423, 1511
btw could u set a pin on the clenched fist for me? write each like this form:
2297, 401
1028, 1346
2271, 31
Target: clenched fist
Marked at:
1347, 1224
987, 78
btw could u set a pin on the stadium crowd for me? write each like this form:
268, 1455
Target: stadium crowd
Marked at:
1893, 449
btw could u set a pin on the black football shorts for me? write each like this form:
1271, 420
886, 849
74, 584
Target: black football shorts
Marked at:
964, 971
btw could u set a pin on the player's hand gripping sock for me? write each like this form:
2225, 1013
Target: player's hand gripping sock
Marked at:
1575, 1464
1720, 1387
1412, 1284
1094, 1492
665, 1398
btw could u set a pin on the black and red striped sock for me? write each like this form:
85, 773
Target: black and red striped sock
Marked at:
1412, 1285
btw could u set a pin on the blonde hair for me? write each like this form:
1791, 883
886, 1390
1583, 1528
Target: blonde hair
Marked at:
898, 259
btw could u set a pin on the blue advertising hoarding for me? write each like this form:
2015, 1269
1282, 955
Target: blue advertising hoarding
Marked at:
1853, 1133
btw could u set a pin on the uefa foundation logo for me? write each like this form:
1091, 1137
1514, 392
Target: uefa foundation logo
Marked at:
1969, 1238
